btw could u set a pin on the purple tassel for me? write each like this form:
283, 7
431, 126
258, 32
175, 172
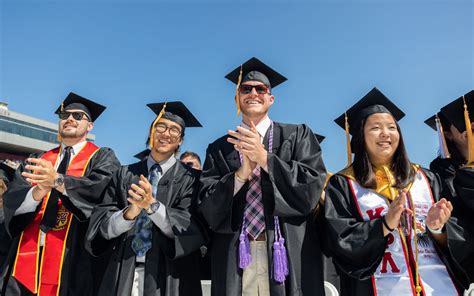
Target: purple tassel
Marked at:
280, 259
244, 250
284, 258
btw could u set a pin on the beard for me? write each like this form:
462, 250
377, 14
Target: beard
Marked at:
77, 133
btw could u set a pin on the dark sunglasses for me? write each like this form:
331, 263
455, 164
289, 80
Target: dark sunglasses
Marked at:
76, 115
246, 89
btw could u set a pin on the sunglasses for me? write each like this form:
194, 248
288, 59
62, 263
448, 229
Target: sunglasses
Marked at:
76, 115
260, 89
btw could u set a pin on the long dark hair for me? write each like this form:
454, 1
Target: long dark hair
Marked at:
363, 170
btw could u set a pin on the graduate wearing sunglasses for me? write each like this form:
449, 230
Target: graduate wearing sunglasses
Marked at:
260, 185
48, 204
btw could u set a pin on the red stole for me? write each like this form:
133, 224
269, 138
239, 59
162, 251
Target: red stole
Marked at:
25, 268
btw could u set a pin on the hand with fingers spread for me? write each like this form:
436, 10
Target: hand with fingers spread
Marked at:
141, 197
439, 214
249, 143
395, 212
42, 174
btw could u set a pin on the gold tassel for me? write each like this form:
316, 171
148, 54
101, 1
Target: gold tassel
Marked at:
439, 127
152, 130
237, 92
348, 141
470, 139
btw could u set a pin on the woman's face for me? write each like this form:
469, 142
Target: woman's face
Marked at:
381, 138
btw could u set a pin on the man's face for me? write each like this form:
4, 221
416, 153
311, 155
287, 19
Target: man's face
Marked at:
192, 162
257, 101
71, 128
167, 136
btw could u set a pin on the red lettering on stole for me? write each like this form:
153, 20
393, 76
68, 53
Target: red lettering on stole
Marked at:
377, 214
387, 257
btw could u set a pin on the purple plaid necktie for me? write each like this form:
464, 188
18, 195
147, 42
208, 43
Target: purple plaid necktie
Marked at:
254, 208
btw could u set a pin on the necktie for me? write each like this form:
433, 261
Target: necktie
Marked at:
254, 208
51, 211
141, 242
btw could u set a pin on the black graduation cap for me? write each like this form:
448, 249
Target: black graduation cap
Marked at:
143, 154
176, 108
6, 172
431, 122
74, 101
373, 102
254, 69
454, 111
319, 137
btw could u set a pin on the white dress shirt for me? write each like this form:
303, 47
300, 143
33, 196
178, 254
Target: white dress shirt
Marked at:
262, 128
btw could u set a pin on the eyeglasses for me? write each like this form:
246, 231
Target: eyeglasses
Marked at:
246, 88
173, 130
76, 115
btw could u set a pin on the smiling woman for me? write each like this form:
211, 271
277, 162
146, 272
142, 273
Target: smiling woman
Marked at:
382, 211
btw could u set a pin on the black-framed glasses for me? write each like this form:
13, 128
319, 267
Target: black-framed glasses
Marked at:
76, 115
246, 88
174, 131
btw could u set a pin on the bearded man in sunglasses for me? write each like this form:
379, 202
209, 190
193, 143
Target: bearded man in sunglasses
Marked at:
48, 204
260, 185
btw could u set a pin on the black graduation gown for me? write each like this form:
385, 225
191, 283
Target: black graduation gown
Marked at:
464, 186
291, 189
171, 266
86, 191
5, 240
458, 182
357, 246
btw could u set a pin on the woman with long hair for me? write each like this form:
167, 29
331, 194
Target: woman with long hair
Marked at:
387, 223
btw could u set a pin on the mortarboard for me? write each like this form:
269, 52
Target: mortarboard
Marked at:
143, 154
254, 70
74, 101
175, 111
373, 102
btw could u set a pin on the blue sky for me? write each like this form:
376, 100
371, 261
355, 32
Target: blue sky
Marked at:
125, 54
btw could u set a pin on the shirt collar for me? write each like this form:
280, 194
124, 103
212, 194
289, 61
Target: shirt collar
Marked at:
76, 148
164, 164
262, 126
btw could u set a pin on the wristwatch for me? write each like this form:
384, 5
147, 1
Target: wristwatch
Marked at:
58, 181
153, 208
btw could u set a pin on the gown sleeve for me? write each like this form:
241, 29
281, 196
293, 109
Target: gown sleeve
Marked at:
464, 241
357, 246
13, 199
221, 209
458, 255
298, 174
83, 193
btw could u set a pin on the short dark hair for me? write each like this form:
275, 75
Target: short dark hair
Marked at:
454, 152
190, 153
364, 173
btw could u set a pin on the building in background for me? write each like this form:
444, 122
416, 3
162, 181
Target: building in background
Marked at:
21, 135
